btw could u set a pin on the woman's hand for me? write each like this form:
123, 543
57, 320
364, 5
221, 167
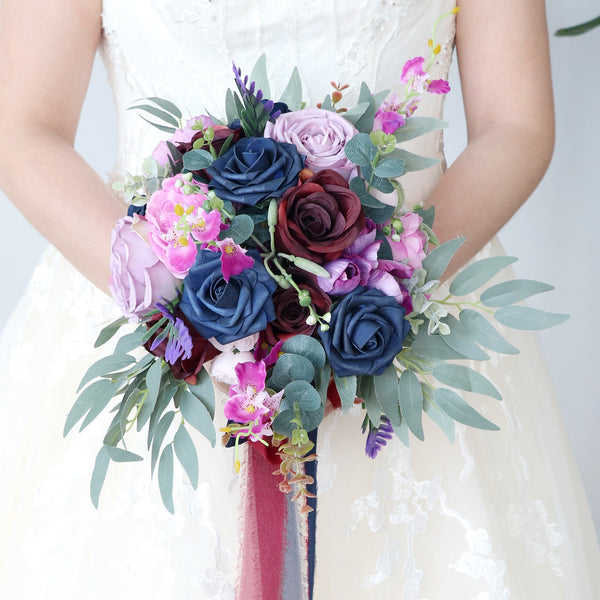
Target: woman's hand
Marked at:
504, 65
46, 55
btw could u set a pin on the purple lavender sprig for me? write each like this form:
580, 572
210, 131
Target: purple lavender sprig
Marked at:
254, 110
177, 334
377, 437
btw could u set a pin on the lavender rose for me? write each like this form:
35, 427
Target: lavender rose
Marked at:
318, 134
138, 278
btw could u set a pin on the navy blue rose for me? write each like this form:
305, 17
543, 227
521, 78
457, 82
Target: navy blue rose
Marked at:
227, 310
254, 169
366, 332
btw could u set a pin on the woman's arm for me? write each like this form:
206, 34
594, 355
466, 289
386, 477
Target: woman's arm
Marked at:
504, 65
46, 56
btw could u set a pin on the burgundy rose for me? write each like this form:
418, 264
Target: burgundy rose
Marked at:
202, 351
319, 218
290, 316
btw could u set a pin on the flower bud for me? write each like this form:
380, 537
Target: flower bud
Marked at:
272, 214
304, 298
311, 319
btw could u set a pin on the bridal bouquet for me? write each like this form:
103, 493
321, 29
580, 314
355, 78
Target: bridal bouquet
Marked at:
270, 252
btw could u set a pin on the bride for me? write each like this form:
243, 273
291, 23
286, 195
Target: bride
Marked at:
492, 516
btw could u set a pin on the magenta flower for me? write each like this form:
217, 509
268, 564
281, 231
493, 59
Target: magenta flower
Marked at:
413, 75
249, 402
204, 226
172, 217
233, 258
438, 86
387, 118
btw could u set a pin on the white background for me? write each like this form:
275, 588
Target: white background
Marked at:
554, 234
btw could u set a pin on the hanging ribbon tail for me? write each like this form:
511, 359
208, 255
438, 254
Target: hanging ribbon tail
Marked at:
264, 516
274, 563
310, 468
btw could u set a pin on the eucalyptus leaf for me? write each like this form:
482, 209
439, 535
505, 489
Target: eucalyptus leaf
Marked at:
411, 402
383, 184
460, 340
372, 406
346, 387
428, 215
434, 347
241, 228
327, 104
130, 342
389, 167
292, 95
259, 75
99, 474
186, 454
204, 391
356, 112
417, 126
302, 393
308, 347
153, 412
291, 367
484, 333
109, 331
322, 379
465, 378
163, 128
473, 276
166, 105
197, 159
515, 290
402, 433
165, 478
439, 417
380, 214
122, 455
387, 394
365, 123
97, 393
413, 162
454, 406
159, 436
230, 107
437, 260
196, 414
108, 364
528, 319
158, 113
360, 150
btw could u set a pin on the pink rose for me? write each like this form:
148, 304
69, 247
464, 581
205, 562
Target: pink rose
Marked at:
138, 278
161, 153
175, 220
410, 249
319, 135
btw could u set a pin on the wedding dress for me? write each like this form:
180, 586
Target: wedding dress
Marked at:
496, 515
